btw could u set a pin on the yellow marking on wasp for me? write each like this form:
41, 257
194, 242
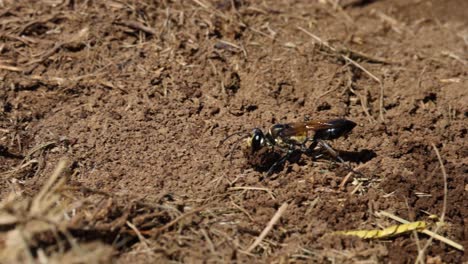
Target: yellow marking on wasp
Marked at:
300, 138
387, 232
249, 142
293, 139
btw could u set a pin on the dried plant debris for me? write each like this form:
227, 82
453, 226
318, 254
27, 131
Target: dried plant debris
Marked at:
390, 231
62, 223
35, 228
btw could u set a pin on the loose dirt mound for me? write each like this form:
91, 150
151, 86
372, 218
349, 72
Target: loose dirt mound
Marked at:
137, 95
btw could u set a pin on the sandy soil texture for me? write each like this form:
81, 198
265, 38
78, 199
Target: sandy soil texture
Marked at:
138, 95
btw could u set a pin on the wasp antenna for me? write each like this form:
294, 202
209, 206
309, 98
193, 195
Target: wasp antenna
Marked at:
236, 144
230, 136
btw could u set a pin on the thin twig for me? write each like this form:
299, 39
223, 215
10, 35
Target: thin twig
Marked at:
358, 186
421, 253
10, 68
421, 76
397, 26
269, 226
415, 233
444, 173
357, 65
341, 10
381, 103
455, 57
355, 55
362, 68
254, 188
137, 26
210, 242
242, 210
177, 219
47, 54
140, 236
200, 3
346, 58
52, 182
40, 147
345, 180
230, 44
352, 171
363, 100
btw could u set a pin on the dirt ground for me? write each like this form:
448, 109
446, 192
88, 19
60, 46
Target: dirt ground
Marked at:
138, 95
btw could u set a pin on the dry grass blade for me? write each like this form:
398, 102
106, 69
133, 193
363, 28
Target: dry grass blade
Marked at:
254, 188
242, 210
444, 174
72, 40
269, 226
10, 68
352, 171
347, 59
45, 198
138, 26
28, 221
200, 3
422, 252
140, 236
28, 159
395, 24
178, 219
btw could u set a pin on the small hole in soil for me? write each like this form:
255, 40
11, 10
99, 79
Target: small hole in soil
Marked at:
251, 108
463, 133
323, 106
431, 97
7, 107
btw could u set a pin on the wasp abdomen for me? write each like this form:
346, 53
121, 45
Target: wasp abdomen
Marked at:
339, 128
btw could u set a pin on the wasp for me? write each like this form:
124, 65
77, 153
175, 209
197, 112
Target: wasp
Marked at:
307, 137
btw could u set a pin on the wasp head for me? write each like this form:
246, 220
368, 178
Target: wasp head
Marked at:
257, 140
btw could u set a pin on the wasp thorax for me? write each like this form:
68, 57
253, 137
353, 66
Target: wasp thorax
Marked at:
276, 130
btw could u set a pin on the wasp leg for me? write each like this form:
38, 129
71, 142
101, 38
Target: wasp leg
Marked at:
279, 162
333, 152
311, 149
330, 150
316, 151
303, 148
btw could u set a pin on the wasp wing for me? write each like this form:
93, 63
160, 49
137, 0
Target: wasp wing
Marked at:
316, 125
293, 129
330, 129
301, 128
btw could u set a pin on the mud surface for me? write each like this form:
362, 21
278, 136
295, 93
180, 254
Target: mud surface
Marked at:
139, 95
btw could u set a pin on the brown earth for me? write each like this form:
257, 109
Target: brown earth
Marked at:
137, 95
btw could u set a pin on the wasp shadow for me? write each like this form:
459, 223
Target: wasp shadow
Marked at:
274, 161
268, 160
361, 156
